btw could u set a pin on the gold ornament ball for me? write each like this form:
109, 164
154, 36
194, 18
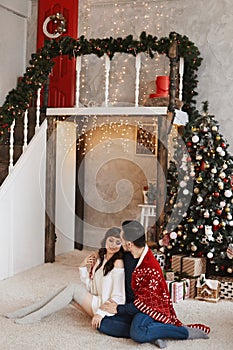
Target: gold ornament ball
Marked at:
227, 209
179, 233
229, 270
199, 179
169, 247
218, 137
196, 190
190, 220
194, 248
184, 237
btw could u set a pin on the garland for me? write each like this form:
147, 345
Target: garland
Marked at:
41, 64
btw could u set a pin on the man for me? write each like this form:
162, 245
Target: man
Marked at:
151, 316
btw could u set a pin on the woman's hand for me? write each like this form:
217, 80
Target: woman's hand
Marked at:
109, 306
96, 321
89, 261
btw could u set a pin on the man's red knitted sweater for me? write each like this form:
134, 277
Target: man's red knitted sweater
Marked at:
150, 290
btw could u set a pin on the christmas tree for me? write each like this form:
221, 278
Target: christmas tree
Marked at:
198, 220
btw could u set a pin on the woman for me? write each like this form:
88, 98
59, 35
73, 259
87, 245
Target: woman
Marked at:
104, 281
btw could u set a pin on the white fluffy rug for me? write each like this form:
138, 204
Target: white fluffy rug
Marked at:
70, 329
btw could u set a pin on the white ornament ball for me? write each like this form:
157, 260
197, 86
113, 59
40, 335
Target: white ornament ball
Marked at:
199, 199
215, 222
225, 166
214, 171
195, 138
193, 248
198, 157
222, 204
194, 229
231, 223
214, 128
161, 242
173, 235
183, 184
186, 192
221, 185
210, 255
219, 149
228, 193
222, 175
229, 270
229, 216
162, 250
222, 154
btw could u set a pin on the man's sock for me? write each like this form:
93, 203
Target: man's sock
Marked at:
195, 333
160, 343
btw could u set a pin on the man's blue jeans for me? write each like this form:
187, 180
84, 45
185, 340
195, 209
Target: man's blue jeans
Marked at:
141, 328
145, 329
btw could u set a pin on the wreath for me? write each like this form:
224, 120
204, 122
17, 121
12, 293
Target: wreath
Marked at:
61, 28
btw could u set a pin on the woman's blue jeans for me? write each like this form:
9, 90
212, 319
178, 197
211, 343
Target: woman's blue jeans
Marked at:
145, 329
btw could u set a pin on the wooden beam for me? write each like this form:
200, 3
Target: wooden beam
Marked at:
164, 129
79, 189
50, 196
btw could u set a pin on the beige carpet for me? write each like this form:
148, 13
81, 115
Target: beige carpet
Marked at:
70, 329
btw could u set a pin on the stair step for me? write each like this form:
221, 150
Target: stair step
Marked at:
18, 141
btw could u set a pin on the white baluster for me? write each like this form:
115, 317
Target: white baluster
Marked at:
181, 73
138, 67
11, 150
38, 110
78, 71
107, 70
25, 131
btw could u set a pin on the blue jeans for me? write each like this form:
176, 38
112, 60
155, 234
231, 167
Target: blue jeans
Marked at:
145, 329
141, 328
117, 326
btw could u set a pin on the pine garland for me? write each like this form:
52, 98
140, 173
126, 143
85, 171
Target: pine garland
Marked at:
41, 64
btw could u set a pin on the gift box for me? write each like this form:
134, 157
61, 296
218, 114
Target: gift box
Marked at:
192, 266
176, 262
179, 290
192, 288
226, 286
170, 276
160, 257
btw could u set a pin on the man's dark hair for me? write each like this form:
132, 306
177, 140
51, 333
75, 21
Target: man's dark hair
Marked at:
134, 232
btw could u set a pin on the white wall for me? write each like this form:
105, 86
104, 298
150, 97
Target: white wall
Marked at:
13, 26
65, 186
206, 23
22, 211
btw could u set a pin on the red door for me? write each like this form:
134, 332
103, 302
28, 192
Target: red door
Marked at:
62, 78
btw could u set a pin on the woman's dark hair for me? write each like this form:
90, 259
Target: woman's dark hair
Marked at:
112, 232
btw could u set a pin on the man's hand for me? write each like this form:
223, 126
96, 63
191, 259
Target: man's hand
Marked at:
109, 306
96, 321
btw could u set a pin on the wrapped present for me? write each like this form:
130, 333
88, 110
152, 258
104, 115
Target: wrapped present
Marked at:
179, 290
192, 288
192, 266
169, 275
208, 290
226, 286
160, 257
176, 262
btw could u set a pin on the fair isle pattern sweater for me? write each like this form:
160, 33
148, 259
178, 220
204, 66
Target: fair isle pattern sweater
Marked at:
150, 290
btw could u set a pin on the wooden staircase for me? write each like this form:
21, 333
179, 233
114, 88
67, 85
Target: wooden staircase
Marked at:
18, 141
